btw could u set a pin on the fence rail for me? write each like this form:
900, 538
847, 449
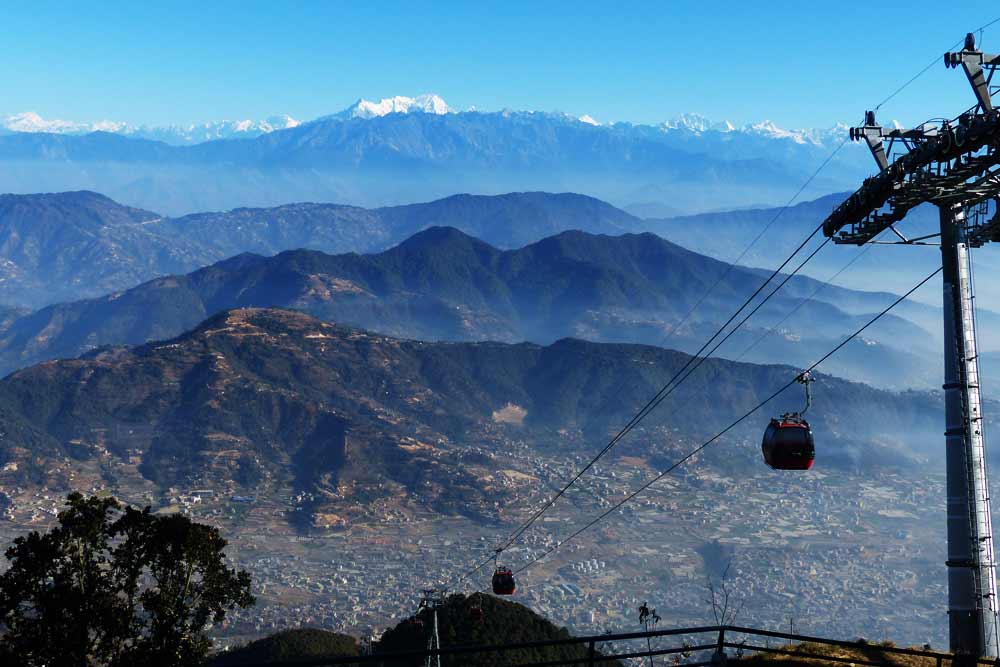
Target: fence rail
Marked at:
796, 646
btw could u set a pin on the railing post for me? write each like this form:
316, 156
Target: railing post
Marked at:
591, 653
719, 657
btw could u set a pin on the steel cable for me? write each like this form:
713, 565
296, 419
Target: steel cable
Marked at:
718, 435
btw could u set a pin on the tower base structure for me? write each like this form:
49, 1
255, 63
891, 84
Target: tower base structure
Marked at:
972, 594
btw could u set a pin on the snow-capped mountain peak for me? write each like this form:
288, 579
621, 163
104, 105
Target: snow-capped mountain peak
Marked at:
818, 137
681, 128
29, 121
282, 122
223, 129
696, 123
427, 103
769, 129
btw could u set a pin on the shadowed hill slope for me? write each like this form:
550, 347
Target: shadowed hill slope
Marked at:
298, 644
501, 622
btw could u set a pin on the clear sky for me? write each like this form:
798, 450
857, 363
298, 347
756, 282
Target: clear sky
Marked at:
800, 64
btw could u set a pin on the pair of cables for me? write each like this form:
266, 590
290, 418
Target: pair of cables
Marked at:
695, 361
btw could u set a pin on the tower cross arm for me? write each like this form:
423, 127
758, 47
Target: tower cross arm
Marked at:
947, 162
873, 134
975, 63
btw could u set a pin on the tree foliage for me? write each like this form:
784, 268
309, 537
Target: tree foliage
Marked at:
113, 587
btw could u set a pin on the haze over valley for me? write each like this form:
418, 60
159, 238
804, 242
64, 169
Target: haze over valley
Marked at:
327, 362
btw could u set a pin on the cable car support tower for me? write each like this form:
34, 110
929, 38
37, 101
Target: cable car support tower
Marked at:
432, 600
956, 167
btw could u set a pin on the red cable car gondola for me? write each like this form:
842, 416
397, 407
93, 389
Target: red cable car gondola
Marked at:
503, 578
788, 441
503, 581
788, 444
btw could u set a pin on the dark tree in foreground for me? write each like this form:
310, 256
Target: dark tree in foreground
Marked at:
114, 587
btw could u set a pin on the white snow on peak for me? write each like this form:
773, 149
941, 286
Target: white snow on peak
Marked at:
768, 129
696, 123
815, 136
691, 122
427, 103
30, 121
682, 126
108, 126
282, 122
223, 129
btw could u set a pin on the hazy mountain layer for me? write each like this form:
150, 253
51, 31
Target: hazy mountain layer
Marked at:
66, 246
62, 246
893, 268
724, 235
58, 247
442, 284
506, 221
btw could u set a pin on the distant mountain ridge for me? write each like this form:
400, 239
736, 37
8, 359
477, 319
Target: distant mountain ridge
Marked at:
404, 149
177, 134
725, 234
430, 103
60, 246
508, 220
64, 246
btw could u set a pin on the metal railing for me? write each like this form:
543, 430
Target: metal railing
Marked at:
595, 651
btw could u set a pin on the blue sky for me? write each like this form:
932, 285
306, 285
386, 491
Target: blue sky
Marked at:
794, 63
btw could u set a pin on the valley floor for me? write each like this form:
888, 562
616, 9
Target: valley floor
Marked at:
834, 554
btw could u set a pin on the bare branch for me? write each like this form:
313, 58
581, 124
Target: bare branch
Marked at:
726, 606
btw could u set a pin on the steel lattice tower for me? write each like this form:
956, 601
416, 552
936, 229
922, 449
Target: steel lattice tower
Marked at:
432, 600
955, 166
